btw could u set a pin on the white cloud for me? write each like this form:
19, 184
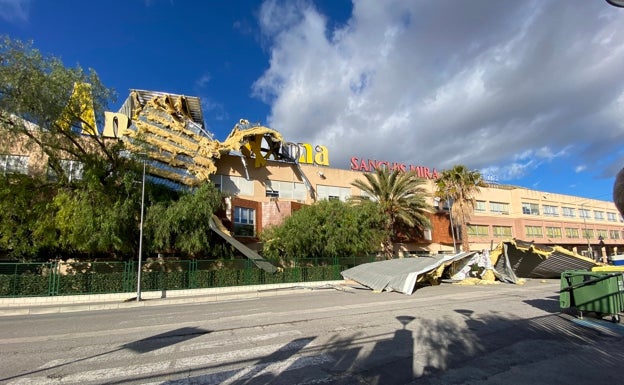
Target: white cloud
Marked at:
489, 84
15, 11
213, 108
203, 80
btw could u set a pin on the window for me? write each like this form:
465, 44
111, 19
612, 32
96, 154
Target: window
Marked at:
287, 190
272, 193
571, 232
73, 169
614, 234
530, 208
501, 231
499, 207
551, 211
14, 164
533, 231
478, 230
568, 212
602, 234
599, 215
588, 233
480, 206
583, 213
333, 192
233, 184
611, 217
272, 189
553, 232
244, 220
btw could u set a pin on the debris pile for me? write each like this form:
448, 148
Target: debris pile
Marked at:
510, 262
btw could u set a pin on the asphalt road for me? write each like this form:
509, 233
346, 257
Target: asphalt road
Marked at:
447, 334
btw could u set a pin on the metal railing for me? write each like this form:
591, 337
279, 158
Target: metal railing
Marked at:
73, 278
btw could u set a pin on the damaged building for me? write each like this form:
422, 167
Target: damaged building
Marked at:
268, 177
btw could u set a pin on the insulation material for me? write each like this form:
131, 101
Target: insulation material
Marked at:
476, 266
163, 127
509, 262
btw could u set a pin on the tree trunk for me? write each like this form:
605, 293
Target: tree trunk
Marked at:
464, 238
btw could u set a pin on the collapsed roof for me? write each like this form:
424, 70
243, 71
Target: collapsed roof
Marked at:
508, 262
169, 130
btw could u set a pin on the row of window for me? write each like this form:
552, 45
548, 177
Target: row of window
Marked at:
545, 232
549, 211
495, 207
569, 212
13, 164
278, 189
18, 164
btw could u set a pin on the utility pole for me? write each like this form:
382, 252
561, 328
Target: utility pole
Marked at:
138, 297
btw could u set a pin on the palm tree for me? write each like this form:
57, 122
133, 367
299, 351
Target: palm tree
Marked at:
461, 185
401, 199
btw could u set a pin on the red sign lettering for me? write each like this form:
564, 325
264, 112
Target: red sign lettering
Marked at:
367, 165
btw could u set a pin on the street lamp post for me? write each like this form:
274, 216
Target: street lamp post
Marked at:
138, 297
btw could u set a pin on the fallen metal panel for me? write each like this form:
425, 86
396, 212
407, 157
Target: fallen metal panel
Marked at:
247, 252
559, 262
502, 268
396, 274
526, 260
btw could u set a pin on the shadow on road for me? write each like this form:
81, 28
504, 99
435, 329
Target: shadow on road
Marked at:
162, 340
466, 346
141, 346
548, 304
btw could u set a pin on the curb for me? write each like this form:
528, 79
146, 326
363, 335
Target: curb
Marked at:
92, 302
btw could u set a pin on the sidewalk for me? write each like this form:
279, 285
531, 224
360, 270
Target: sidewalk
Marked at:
88, 302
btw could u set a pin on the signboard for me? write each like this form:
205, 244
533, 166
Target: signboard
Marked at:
358, 164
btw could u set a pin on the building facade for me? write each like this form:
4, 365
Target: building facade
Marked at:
265, 196
268, 178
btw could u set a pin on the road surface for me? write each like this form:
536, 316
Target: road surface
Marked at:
447, 334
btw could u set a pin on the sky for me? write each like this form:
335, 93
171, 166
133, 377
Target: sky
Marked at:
529, 92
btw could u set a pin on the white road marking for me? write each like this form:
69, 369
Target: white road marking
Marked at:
199, 362
95, 375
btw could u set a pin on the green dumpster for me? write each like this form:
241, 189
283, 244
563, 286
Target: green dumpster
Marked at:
591, 291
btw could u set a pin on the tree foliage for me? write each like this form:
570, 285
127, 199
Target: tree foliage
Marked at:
52, 111
400, 197
327, 229
183, 225
45, 106
462, 186
41, 116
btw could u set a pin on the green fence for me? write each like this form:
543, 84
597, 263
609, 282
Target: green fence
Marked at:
69, 278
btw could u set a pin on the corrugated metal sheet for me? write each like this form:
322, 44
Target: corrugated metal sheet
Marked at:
397, 274
527, 260
557, 263
194, 104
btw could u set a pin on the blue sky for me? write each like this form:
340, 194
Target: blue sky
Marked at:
531, 92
